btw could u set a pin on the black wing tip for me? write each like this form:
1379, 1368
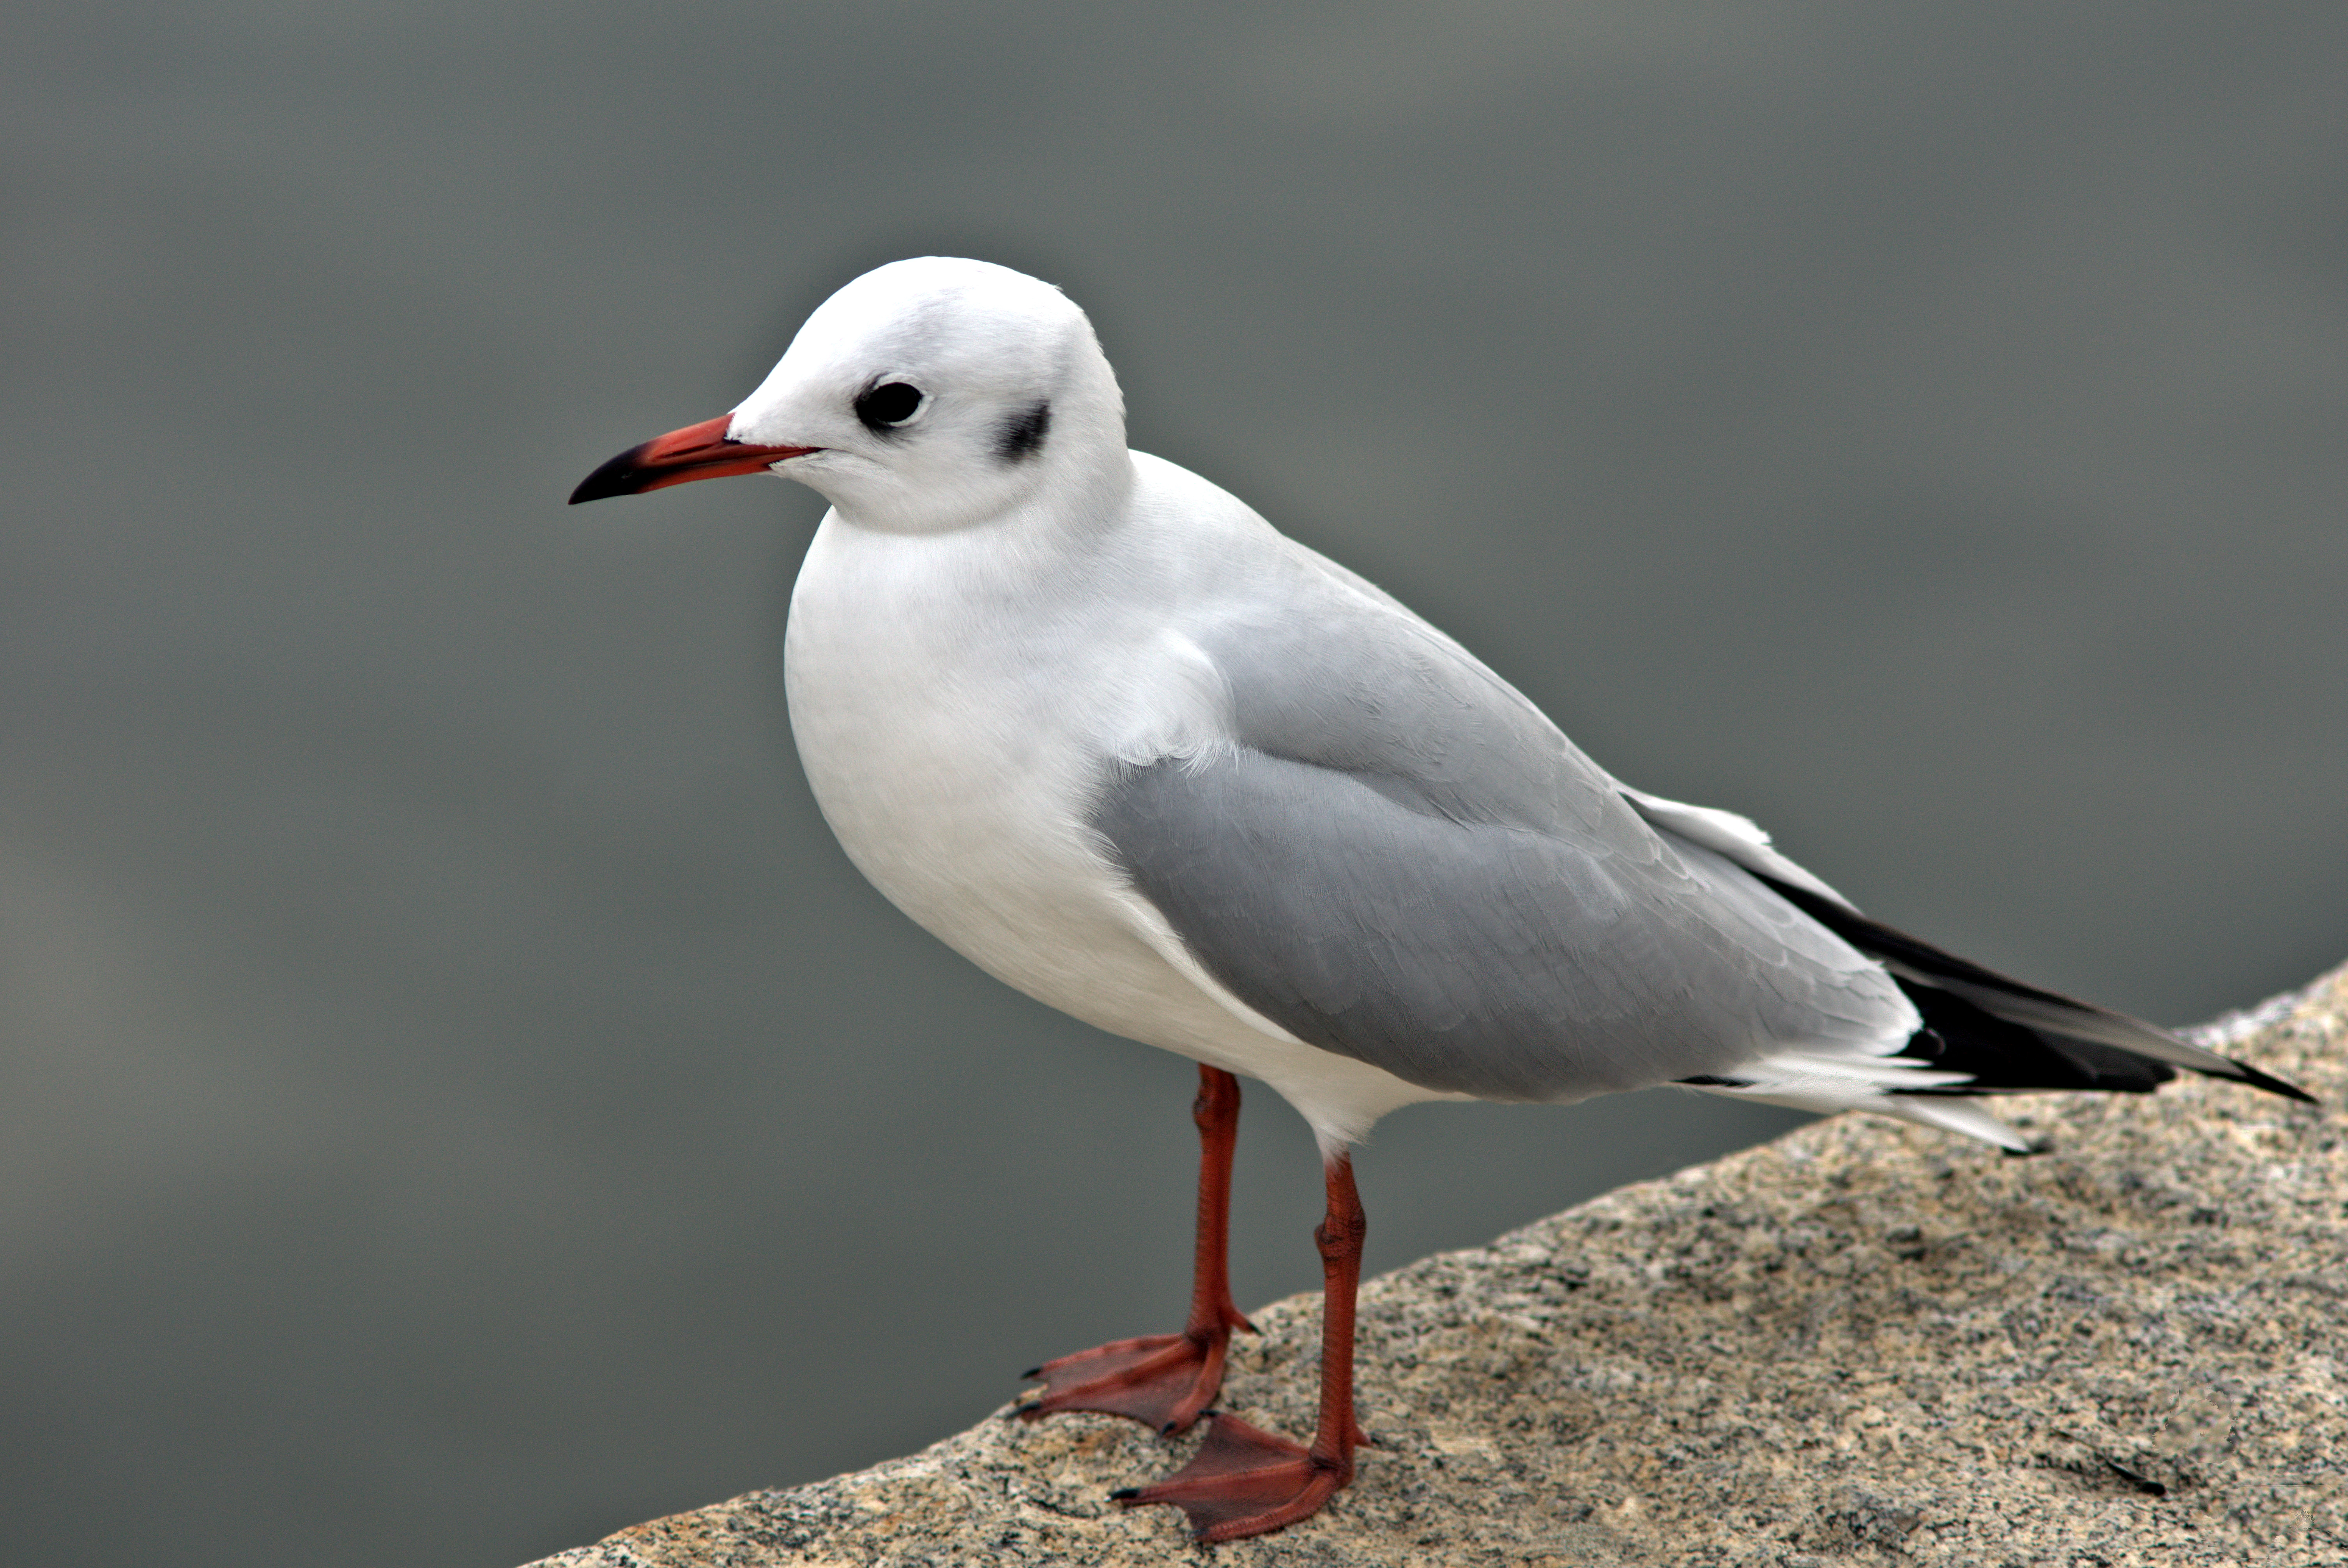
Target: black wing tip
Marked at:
2244, 1074
1999, 1056
1882, 943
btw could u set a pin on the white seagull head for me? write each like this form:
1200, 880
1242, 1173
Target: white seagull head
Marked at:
926, 396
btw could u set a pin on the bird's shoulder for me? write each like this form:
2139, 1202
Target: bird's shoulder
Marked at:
1311, 662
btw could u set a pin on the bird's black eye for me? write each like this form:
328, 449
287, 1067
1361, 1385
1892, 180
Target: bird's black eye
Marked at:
890, 404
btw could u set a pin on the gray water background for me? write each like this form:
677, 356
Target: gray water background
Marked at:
457, 1100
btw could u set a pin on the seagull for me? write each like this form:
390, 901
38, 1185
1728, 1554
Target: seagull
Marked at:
1099, 727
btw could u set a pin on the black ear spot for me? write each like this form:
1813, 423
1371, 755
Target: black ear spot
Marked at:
1023, 434
888, 406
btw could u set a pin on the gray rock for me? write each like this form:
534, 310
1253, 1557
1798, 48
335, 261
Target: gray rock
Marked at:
1862, 1344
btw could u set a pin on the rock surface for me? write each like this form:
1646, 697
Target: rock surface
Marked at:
1864, 1343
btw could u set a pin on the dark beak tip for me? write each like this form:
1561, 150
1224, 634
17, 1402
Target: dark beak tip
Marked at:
617, 477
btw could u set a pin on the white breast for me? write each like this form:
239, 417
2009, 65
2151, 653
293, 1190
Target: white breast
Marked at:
949, 778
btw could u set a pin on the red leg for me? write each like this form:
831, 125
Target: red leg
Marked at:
1245, 1482
1166, 1379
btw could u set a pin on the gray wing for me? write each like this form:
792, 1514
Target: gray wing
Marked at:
1402, 861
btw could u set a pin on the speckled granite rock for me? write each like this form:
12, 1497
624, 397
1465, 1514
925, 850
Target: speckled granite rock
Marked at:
1864, 1343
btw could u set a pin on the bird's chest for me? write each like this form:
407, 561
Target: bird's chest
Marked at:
944, 734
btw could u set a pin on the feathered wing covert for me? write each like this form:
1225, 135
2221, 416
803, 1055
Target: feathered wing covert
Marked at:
1396, 857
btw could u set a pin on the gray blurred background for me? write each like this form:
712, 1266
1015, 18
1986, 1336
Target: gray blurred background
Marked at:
458, 1101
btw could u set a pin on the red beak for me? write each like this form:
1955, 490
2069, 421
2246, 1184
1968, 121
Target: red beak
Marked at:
696, 452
